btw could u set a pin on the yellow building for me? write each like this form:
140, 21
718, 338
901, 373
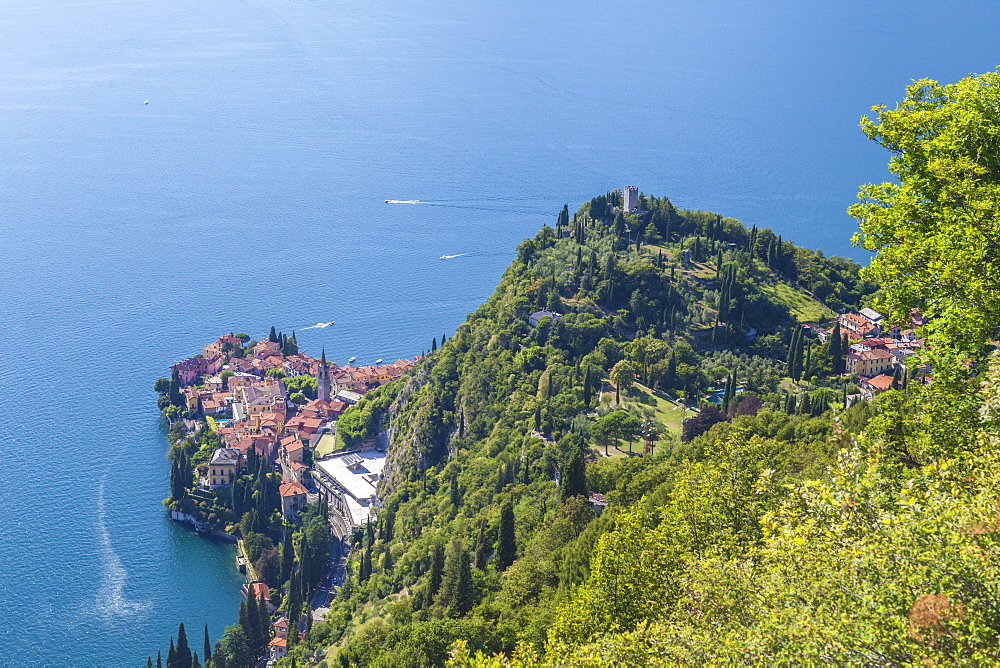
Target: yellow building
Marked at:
223, 467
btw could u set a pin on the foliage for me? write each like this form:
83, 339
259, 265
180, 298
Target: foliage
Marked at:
937, 231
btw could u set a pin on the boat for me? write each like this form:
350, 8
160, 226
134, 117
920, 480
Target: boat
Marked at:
146, 102
352, 359
378, 361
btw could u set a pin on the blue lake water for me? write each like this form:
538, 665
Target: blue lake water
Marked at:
250, 191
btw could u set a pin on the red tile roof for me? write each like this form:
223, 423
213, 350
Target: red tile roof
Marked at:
292, 489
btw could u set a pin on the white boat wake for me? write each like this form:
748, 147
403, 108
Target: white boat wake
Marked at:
402, 201
110, 600
319, 325
448, 257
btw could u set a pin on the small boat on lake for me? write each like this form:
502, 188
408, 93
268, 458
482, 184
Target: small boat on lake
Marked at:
378, 361
352, 359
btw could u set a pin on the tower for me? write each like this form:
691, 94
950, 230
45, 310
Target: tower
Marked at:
323, 379
631, 199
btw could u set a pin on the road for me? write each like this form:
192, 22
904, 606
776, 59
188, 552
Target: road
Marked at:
339, 552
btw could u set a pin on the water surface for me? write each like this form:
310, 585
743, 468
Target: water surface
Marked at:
250, 191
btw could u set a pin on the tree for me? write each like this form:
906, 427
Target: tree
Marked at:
174, 390
697, 425
159, 659
936, 233
290, 346
615, 426
161, 385
207, 647
835, 346
182, 656
272, 335
287, 556
233, 648
455, 596
480, 555
573, 481
436, 568
506, 545
623, 375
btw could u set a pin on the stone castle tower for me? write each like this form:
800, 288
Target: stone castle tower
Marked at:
323, 379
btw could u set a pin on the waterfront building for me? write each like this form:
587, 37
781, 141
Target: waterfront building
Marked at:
223, 466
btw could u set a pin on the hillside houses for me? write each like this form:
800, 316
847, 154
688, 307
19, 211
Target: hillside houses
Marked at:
877, 349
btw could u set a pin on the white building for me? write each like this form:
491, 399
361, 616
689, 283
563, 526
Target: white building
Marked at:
349, 482
631, 194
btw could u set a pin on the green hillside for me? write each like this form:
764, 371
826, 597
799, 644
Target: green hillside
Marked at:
499, 435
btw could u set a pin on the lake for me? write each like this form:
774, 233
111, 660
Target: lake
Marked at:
171, 171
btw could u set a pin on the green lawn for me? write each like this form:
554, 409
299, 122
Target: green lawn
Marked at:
327, 444
641, 401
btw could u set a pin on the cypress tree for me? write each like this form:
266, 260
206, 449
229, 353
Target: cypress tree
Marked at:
836, 352
456, 586
790, 404
174, 390
805, 406
149, 662
506, 546
586, 387
287, 556
365, 568
670, 379
480, 554
305, 563
796, 364
252, 628
207, 648
195, 663
171, 655
264, 617
437, 566
183, 652
573, 481
272, 335
727, 396
159, 658
294, 604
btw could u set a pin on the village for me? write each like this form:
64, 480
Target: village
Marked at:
268, 401
878, 351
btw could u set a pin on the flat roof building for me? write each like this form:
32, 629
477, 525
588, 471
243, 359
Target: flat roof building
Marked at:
354, 477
